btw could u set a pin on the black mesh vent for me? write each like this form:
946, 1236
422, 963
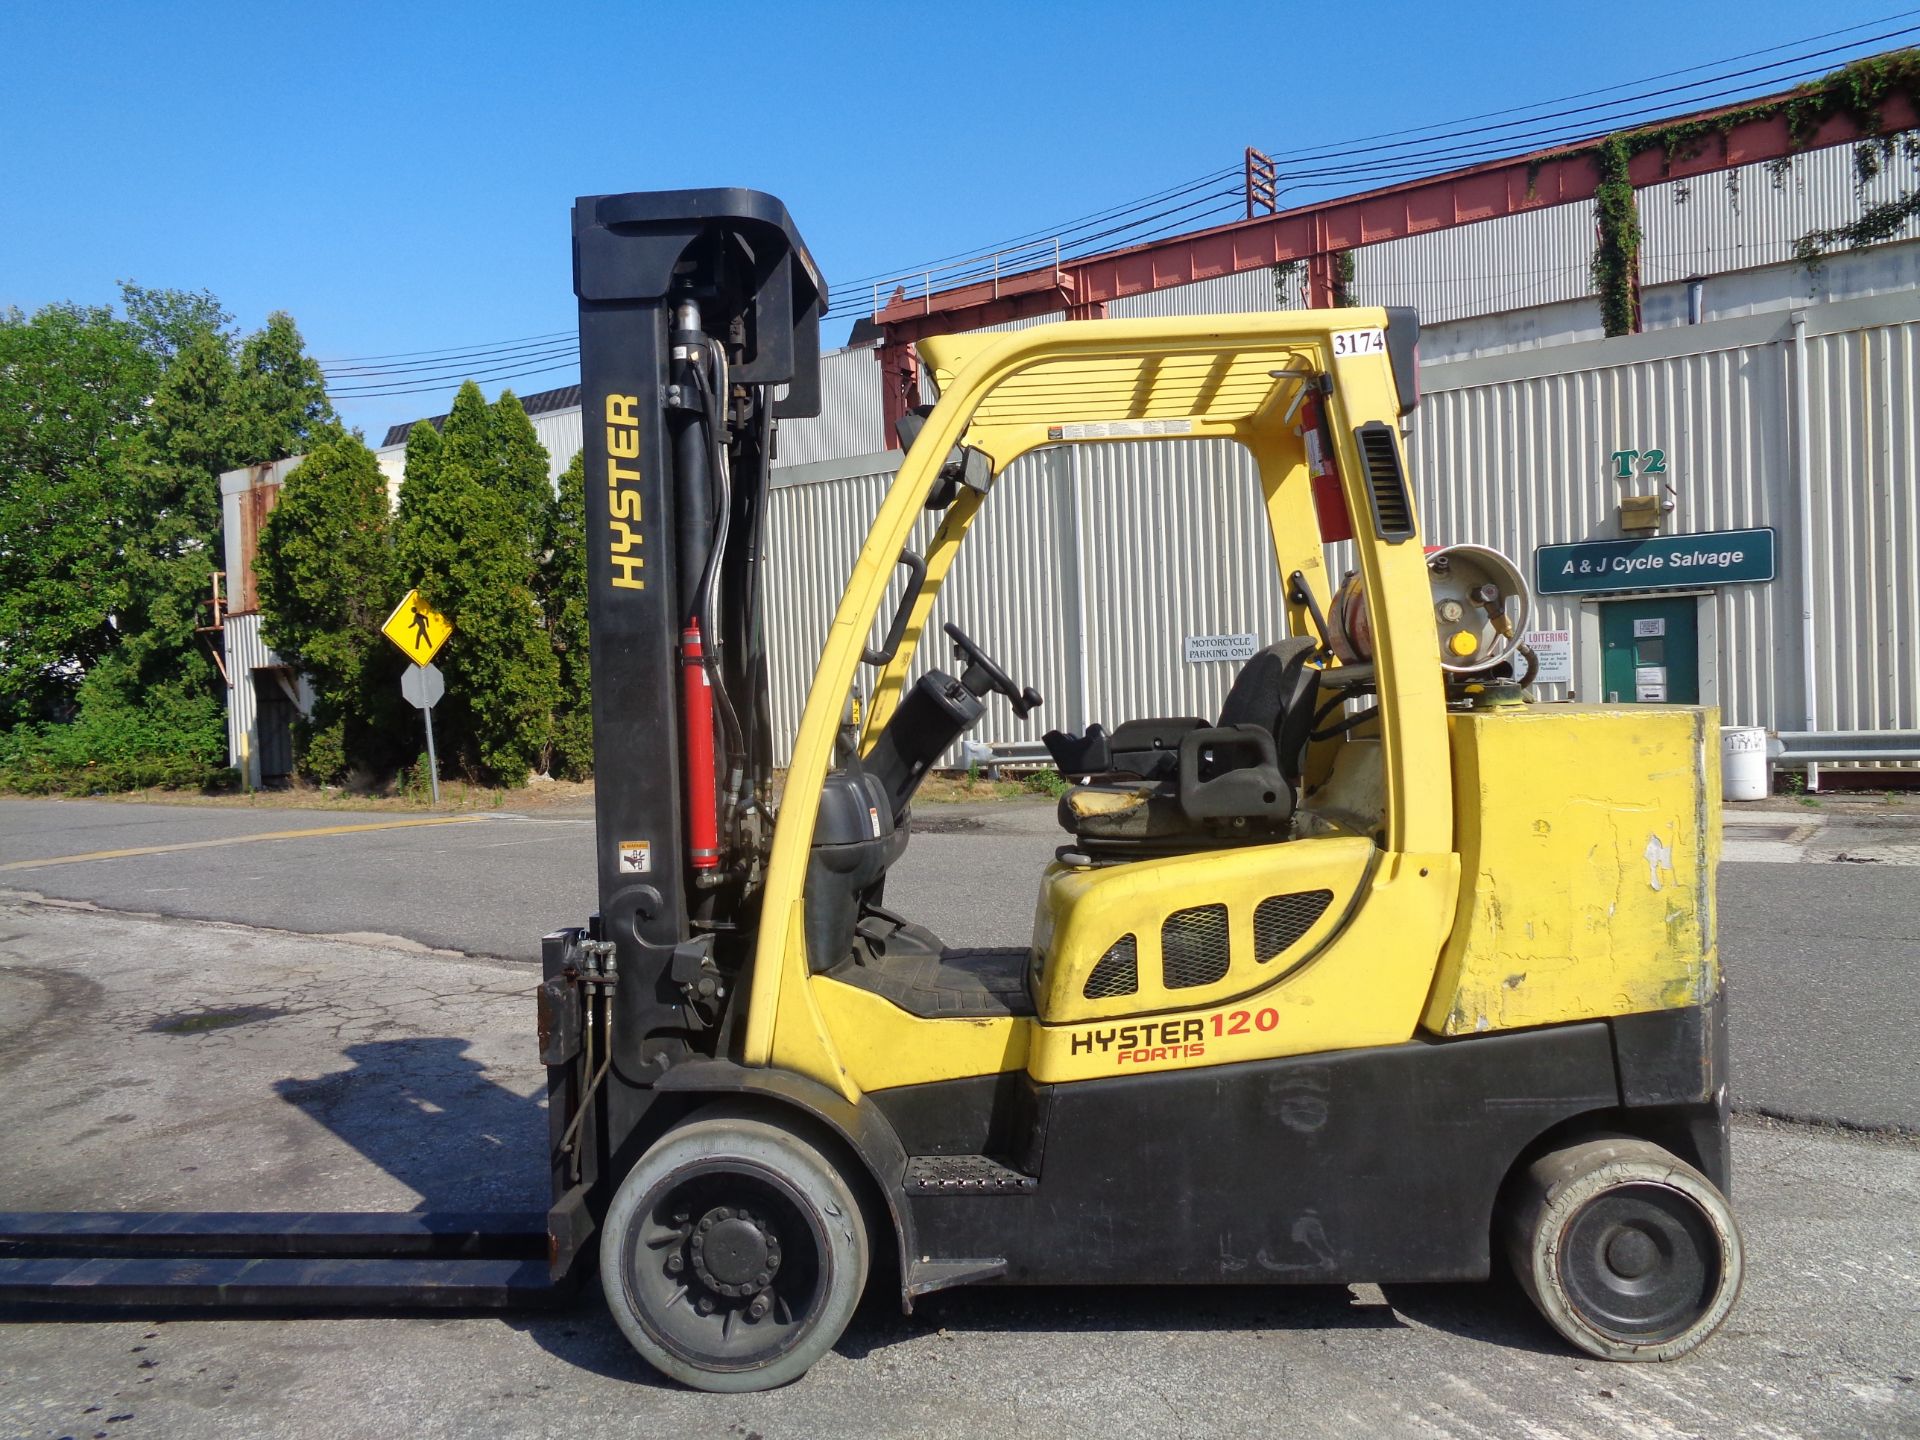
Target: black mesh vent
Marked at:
1280, 920
1193, 947
1117, 973
1386, 481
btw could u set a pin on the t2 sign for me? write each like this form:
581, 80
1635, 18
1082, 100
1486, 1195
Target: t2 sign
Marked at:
1650, 462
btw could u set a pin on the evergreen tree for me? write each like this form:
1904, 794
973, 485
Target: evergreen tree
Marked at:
464, 539
282, 395
523, 463
564, 597
325, 572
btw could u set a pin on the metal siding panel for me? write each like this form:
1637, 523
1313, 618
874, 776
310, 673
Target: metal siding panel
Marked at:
1866, 446
849, 422
1751, 216
1248, 291
1523, 463
1175, 543
1539, 257
559, 431
814, 533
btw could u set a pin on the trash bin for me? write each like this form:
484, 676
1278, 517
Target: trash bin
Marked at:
1743, 762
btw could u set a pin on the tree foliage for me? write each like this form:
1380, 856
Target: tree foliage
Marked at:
466, 536
114, 429
563, 577
325, 574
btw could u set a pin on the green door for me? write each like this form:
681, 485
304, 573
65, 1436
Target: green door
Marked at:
1650, 652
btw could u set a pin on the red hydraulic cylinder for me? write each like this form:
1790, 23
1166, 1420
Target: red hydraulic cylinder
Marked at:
703, 826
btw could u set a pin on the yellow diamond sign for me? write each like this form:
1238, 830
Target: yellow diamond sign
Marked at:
417, 628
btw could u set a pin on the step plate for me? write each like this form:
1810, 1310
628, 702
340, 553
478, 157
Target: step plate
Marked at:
965, 1175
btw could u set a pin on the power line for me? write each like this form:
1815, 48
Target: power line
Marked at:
1665, 106
405, 354
1428, 149
1534, 116
376, 375
360, 372
441, 386
1651, 79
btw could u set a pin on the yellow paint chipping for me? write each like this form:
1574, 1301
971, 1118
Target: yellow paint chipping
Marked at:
1588, 840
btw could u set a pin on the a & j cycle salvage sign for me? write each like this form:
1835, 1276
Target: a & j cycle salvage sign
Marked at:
1660, 562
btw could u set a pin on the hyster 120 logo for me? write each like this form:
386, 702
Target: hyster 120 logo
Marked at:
623, 494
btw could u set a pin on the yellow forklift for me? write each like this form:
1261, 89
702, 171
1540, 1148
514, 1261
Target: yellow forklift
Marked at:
1377, 973
1381, 974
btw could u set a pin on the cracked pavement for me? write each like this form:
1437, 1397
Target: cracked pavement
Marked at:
152, 1061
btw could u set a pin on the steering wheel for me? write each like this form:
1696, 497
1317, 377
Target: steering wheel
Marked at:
984, 675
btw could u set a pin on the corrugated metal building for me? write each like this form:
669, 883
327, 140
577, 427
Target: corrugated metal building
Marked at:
1777, 397
264, 693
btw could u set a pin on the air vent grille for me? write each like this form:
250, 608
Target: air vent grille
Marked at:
1386, 482
1117, 972
1280, 920
1194, 948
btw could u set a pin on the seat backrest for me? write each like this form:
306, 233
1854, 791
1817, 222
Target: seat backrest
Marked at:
1279, 690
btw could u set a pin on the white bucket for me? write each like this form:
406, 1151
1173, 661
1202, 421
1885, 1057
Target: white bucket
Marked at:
1743, 763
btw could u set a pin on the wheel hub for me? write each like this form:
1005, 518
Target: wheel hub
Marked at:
1632, 1253
1640, 1262
734, 1253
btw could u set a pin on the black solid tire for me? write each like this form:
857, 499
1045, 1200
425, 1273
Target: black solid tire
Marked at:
803, 1212
1626, 1250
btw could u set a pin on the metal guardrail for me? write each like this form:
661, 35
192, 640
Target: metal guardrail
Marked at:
1785, 748
1011, 754
1822, 747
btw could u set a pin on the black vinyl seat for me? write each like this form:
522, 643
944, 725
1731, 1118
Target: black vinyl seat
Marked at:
1236, 780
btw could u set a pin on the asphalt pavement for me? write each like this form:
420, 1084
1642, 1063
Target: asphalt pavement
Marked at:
1819, 911
153, 1062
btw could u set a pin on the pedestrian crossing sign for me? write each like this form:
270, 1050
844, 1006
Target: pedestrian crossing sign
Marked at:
417, 628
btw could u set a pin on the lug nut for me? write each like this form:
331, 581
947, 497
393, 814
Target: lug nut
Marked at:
675, 1264
722, 1214
762, 1278
706, 1223
758, 1309
706, 1304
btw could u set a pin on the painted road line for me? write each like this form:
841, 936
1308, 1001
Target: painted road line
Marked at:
242, 840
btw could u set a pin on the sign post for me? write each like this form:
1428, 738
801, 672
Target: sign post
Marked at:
420, 630
423, 685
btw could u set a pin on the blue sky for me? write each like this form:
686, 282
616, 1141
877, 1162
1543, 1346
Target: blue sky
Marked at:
398, 176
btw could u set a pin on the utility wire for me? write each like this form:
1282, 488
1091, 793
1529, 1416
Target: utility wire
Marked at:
1451, 131
1424, 150
442, 386
403, 354
565, 337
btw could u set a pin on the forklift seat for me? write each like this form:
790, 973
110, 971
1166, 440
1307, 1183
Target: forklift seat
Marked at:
1236, 780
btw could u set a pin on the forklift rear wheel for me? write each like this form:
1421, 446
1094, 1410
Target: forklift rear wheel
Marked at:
1629, 1252
733, 1255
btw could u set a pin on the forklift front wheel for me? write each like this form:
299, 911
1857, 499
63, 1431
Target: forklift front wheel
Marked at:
1629, 1252
733, 1255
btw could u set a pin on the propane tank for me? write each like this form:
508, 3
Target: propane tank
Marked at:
1480, 607
1480, 610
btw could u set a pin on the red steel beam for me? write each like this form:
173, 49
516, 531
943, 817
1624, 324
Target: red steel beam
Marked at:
1416, 207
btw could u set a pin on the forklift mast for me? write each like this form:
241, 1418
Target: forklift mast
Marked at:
699, 326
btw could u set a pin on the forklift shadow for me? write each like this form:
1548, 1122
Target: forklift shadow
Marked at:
426, 1112
1491, 1314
